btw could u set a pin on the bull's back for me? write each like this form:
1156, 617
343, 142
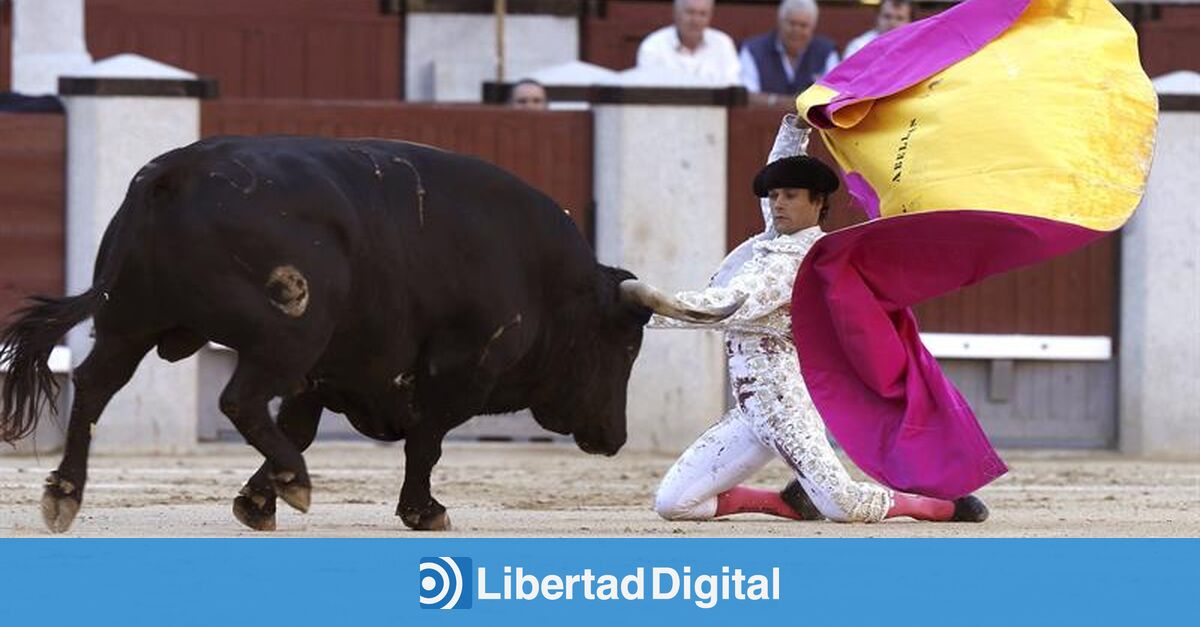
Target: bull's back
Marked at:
254, 241
380, 197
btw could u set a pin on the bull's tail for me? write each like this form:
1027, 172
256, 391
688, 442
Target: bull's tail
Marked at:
25, 346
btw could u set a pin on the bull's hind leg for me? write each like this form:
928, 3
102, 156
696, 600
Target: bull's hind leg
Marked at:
298, 419
244, 402
107, 368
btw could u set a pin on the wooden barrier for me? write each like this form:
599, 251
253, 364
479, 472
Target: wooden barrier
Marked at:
343, 49
551, 150
32, 205
1169, 38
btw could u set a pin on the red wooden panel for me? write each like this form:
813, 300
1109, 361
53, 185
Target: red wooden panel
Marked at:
5, 46
1104, 270
333, 49
1171, 41
552, 150
32, 204
1071, 295
612, 41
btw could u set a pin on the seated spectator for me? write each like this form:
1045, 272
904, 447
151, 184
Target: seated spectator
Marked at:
528, 94
690, 47
892, 14
784, 62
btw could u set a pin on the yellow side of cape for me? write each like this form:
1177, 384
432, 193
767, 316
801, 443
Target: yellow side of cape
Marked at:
1054, 118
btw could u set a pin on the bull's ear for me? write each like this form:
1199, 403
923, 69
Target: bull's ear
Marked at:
640, 313
625, 313
614, 306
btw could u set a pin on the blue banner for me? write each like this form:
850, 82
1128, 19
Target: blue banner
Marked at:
596, 581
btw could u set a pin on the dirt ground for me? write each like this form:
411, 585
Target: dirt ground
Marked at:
505, 489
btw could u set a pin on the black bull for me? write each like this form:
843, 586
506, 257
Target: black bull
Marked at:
406, 287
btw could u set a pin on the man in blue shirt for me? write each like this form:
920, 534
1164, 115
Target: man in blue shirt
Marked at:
782, 63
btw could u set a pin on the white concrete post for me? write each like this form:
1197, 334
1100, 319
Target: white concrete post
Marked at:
660, 172
48, 42
1160, 287
121, 113
448, 56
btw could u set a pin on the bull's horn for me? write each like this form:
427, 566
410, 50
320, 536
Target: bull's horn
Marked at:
639, 293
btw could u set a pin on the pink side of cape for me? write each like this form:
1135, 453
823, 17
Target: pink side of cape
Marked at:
882, 395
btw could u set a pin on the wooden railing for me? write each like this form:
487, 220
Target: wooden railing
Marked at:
341, 49
32, 206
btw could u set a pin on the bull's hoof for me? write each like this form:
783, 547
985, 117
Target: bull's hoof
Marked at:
256, 511
298, 496
797, 499
969, 508
294, 491
60, 503
434, 518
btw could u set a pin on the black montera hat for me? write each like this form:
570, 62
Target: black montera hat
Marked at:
802, 171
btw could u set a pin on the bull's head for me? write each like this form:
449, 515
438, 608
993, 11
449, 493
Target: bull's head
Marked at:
598, 337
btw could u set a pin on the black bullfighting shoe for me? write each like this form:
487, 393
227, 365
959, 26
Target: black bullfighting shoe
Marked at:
969, 508
797, 499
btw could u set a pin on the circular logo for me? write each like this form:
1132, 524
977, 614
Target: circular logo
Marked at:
441, 583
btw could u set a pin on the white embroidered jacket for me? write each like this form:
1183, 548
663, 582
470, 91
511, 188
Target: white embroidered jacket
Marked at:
765, 282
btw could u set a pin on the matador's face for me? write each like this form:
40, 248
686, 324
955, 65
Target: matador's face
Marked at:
794, 209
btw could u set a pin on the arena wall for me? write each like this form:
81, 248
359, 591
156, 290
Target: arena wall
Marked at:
32, 197
339, 49
274, 81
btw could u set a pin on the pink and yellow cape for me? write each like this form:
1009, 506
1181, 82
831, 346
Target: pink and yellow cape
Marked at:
991, 136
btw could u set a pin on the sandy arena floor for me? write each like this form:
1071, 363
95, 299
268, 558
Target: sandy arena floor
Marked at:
501, 489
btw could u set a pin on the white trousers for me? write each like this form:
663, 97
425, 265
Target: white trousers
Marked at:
775, 416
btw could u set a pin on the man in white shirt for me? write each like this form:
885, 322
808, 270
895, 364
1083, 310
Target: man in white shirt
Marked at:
690, 47
892, 14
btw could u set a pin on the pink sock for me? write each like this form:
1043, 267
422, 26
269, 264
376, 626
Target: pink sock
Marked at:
919, 507
743, 500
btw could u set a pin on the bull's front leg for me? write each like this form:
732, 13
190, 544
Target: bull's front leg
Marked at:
445, 400
298, 418
417, 508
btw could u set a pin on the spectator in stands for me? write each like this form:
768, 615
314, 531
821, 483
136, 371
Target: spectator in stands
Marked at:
528, 94
892, 14
784, 62
690, 47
